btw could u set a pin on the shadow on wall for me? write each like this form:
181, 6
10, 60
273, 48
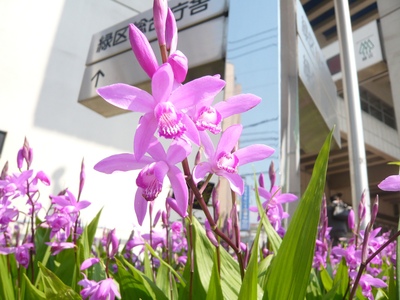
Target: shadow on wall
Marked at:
58, 108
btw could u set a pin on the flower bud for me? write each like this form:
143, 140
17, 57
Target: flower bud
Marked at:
4, 171
112, 241
375, 209
261, 180
351, 220
179, 65
160, 11
361, 208
171, 32
82, 177
142, 50
210, 234
272, 175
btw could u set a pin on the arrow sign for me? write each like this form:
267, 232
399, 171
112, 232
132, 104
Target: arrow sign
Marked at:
97, 75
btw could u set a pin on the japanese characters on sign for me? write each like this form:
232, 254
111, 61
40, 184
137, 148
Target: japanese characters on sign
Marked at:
115, 40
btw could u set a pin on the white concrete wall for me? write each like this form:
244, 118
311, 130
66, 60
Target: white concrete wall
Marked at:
43, 53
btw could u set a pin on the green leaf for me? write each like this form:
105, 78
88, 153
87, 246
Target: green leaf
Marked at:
165, 264
314, 289
215, 289
163, 279
392, 284
54, 288
263, 269
250, 287
66, 269
135, 285
6, 281
203, 264
31, 292
327, 281
290, 269
42, 250
148, 270
92, 228
342, 280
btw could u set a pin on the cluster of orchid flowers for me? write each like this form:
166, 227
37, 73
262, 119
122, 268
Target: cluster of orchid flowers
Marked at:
63, 220
181, 113
365, 251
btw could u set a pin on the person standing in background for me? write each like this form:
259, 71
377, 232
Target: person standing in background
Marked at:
338, 213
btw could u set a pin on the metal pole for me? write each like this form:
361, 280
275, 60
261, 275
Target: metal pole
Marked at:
355, 133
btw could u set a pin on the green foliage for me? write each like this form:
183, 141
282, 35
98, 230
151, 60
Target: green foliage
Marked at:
209, 273
54, 288
291, 267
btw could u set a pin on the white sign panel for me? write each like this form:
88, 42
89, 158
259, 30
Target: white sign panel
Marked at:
314, 72
115, 39
367, 47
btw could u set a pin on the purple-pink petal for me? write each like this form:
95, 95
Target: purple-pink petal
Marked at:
207, 144
140, 206
229, 139
201, 170
178, 151
121, 162
253, 153
179, 186
127, 97
161, 84
237, 104
87, 263
235, 181
144, 134
196, 90
191, 130
390, 184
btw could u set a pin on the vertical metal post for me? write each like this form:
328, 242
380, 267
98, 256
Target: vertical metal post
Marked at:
355, 132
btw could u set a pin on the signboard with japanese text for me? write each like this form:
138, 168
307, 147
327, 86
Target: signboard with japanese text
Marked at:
314, 73
201, 44
114, 40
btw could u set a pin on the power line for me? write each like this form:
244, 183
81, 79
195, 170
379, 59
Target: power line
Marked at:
251, 36
261, 122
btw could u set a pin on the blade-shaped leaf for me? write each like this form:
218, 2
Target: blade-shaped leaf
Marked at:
290, 269
215, 289
54, 288
203, 264
31, 292
6, 282
392, 284
327, 281
250, 288
134, 284
341, 280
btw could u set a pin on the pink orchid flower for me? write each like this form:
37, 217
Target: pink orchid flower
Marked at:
207, 117
154, 170
164, 110
223, 162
